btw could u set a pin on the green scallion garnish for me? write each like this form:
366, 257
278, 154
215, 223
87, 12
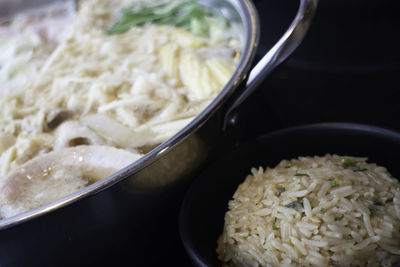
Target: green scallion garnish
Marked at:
302, 174
281, 190
295, 205
188, 14
349, 162
359, 169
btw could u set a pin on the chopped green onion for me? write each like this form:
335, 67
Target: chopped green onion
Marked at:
302, 174
274, 227
187, 13
333, 183
338, 219
349, 162
323, 210
295, 205
359, 169
281, 190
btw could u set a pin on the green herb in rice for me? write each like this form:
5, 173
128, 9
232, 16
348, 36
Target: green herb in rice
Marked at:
353, 164
281, 190
302, 174
306, 209
349, 162
359, 169
295, 205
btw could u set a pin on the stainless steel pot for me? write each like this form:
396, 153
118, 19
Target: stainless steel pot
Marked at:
137, 193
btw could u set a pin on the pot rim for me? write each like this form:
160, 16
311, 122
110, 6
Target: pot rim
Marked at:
250, 21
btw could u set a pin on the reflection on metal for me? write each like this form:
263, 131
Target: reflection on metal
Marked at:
176, 165
167, 165
292, 38
162, 151
9, 8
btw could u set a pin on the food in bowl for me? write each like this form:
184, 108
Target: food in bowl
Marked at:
85, 93
314, 211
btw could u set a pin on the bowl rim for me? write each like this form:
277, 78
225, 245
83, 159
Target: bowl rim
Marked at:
187, 242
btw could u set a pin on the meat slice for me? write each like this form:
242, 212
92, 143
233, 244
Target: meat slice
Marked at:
57, 174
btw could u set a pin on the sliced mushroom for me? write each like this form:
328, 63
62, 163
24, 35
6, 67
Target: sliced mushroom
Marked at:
116, 132
43, 179
6, 141
57, 116
73, 133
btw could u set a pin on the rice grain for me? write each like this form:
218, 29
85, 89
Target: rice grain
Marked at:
332, 216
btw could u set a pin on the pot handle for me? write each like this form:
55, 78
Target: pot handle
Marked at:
275, 56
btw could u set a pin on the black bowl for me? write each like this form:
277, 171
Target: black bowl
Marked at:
202, 212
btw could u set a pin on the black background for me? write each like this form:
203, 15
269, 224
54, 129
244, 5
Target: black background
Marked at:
347, 68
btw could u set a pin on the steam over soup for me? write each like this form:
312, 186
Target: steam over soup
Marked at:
85, 91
